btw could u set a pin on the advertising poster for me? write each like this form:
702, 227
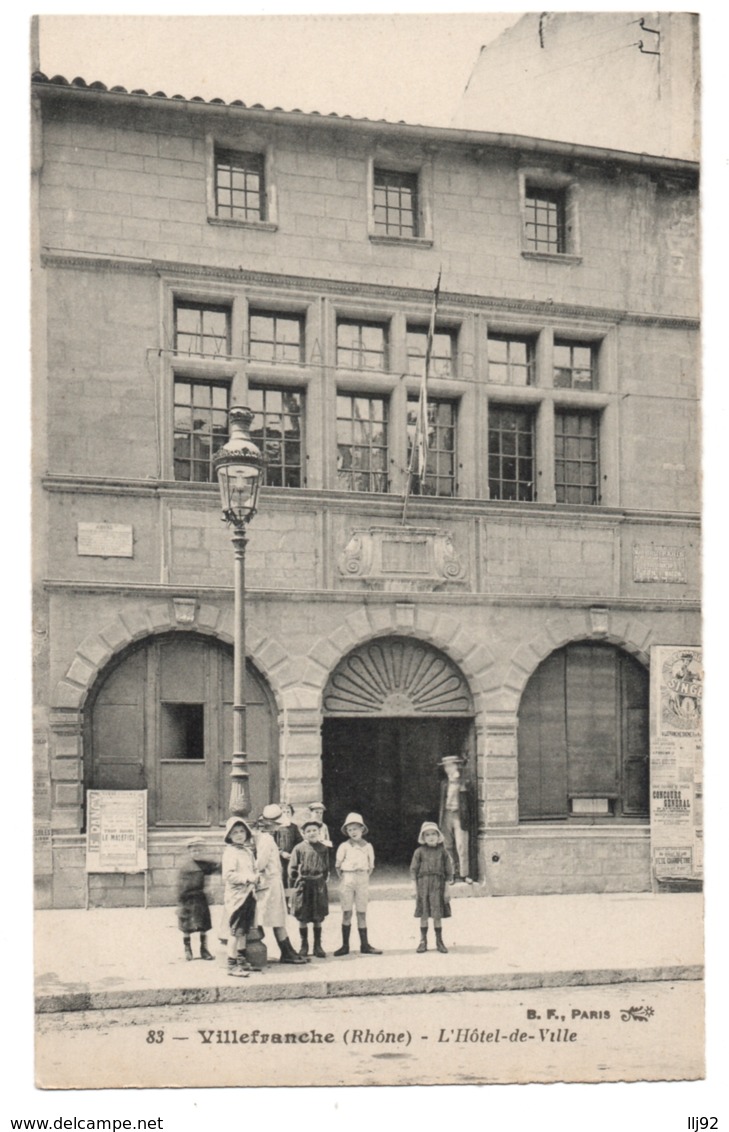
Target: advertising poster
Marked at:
116, 839
676, 762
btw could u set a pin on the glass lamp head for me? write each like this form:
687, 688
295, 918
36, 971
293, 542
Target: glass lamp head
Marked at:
238, 466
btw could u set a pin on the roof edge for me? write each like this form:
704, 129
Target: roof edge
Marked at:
60, 88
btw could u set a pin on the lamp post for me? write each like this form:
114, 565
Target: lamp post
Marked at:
238, 465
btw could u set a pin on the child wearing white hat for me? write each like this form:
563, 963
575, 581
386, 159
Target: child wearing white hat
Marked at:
271, 898
354, 862
431, 869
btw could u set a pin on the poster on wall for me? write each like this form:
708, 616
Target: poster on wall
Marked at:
676, 763
116, 838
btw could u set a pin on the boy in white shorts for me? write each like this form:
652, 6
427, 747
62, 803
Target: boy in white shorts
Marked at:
354, 862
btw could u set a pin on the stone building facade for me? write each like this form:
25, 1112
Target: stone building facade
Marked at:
193, 255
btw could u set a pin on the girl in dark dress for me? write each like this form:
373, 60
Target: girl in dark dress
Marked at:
308, 872
193, 910
286, 836
431, 869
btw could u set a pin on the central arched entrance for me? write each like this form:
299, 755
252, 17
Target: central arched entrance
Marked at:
392, 709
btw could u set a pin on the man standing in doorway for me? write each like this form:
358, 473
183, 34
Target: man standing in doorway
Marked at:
455, 815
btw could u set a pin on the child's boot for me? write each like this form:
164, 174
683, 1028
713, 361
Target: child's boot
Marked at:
188, 948
423, 945
439, 941
288, 955
364, 944
304, 933
344, 949
204, 953
318, 950
238, 967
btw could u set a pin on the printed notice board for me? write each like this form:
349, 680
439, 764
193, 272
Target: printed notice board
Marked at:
676, 762
116, 836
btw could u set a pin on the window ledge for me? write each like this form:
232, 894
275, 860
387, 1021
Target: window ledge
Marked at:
257, 225
402, 241
552, 257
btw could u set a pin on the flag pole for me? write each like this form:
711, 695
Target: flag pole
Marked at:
420, 439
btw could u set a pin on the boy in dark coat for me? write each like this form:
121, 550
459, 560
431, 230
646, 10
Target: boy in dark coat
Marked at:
308, 872
193, 910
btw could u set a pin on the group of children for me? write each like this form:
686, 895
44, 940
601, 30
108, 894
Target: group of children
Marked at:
261, 861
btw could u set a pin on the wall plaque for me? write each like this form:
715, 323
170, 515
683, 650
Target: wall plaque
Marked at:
653, 563
105, 540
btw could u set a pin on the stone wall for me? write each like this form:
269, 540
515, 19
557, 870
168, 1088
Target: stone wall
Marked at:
133, 184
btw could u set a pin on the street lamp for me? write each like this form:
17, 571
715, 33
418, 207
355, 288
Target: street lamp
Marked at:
238, 465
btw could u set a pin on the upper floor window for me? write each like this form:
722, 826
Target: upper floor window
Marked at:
240, 190
443, 355
545, 219
278, 430
361, 345
511, 453
362, 443
576, 456
396, 210
574, 365
200, 427
511, 360
440, 466
201, 328
275, 337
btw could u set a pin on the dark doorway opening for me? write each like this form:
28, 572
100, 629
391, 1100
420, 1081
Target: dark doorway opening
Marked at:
387, 770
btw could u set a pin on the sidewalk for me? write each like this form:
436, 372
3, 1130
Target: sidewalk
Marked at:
124, 957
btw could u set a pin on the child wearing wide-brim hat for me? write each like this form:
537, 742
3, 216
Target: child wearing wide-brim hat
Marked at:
354, 862
431, 869
308, 872
239, 880
271, 902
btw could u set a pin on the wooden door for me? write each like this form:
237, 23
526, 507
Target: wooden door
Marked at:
583, 733
162, 720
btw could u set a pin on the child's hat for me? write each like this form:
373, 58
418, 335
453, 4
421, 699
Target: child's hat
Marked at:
425, 827
273, 814
312, 821
353, 819
234, 821
317, 806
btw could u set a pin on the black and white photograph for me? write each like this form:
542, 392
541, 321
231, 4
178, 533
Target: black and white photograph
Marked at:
366, 490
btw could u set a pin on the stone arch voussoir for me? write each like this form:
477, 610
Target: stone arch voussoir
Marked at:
141, 620
629, 634
445, 633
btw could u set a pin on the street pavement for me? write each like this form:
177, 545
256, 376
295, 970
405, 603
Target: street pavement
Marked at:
133, 957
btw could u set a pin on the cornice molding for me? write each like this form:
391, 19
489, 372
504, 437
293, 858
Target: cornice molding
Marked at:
550, 310
364, 510
354, 597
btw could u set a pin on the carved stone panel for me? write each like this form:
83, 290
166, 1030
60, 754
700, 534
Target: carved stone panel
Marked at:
402, 559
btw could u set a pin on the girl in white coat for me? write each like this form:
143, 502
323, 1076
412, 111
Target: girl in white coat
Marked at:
271, 897
238, 867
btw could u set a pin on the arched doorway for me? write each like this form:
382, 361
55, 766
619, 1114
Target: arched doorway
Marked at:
392, 709
583, 737
161, 719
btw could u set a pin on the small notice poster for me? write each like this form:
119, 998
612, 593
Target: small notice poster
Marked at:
676, 762
116, 838
105, 540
